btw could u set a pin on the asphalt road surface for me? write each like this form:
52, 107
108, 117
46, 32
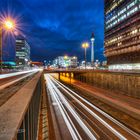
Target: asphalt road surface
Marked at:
78, 119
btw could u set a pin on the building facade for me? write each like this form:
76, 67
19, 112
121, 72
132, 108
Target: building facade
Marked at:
22, 53
122, 33
65, 62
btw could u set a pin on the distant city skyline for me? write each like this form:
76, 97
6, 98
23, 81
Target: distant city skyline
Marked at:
55, 28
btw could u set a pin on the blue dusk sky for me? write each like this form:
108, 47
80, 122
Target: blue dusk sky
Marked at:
55, 27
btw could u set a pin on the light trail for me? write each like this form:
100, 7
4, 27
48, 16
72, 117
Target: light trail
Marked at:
73, 112
73, 131
94, 107
114, 131
12, 82
2, 76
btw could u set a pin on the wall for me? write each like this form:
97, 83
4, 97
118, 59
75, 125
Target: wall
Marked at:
128, 84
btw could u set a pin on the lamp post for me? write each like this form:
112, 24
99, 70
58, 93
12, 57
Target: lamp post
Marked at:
1, 49
85, 46
65, 59
7, 25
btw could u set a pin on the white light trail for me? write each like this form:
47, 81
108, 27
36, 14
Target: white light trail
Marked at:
14, 81
73, 131
119, 135
2, 76
73, 112
97, 109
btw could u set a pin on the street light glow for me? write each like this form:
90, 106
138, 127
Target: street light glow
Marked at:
65, 57
9, 24
85, 45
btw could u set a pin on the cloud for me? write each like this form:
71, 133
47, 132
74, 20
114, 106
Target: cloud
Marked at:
56, 27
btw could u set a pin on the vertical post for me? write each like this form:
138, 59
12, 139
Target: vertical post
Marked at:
85, 58
70, 77
24, 130
1, 49
59, 76
28, 126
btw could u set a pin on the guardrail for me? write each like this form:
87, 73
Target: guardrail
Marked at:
19, 115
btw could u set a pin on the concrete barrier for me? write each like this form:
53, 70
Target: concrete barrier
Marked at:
19, 115
124, 83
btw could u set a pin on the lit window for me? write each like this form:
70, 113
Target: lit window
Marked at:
134, 31
120, 43
132, 11
130, 5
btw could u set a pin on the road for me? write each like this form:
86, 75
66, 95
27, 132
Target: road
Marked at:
78, 119
12, 82
7, 75
11, 78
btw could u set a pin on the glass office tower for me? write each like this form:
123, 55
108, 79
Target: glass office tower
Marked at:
122, 33
22, 53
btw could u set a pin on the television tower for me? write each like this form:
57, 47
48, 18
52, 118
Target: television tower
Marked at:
92, 48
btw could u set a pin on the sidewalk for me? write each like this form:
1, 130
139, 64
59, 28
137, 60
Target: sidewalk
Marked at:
127, 104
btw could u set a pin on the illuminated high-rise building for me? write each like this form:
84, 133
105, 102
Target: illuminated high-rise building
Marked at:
122, 33
22, 53
65, 61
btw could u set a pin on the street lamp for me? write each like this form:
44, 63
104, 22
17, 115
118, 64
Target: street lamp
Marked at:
7, 25
85, 46
65, 61
65, 57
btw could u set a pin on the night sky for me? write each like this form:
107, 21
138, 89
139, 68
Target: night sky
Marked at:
56, 27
